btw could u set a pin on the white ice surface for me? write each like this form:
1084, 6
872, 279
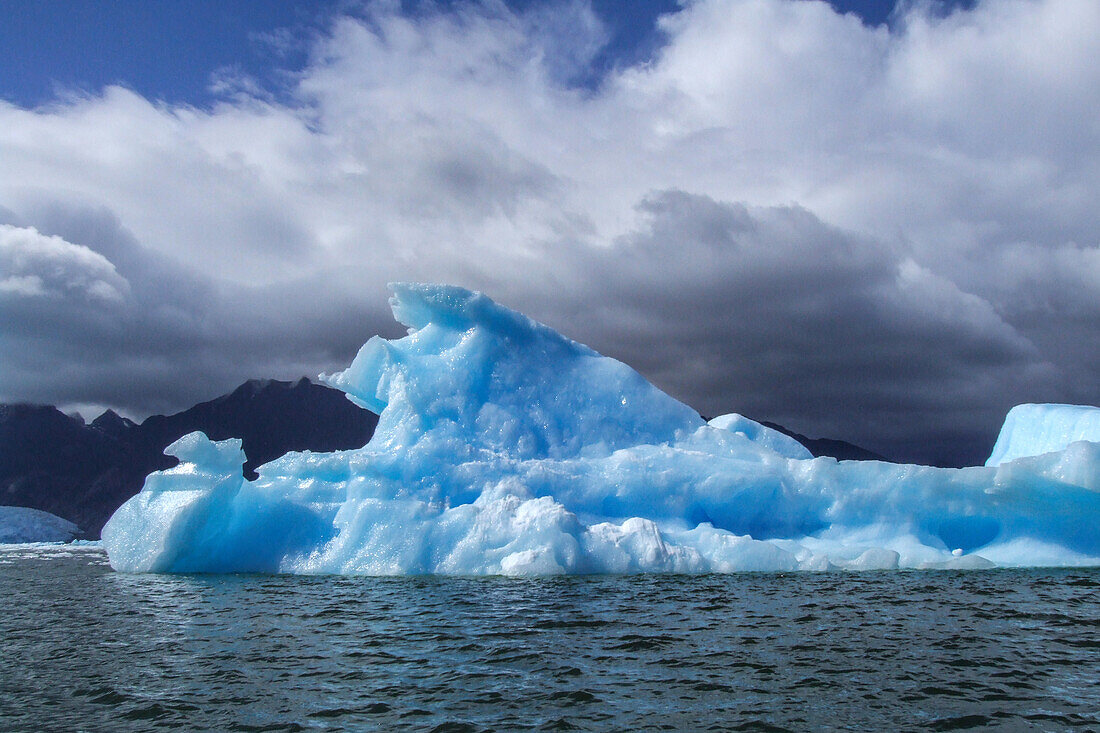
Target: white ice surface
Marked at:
503, 447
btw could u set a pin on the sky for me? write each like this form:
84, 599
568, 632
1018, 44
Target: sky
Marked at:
861, 221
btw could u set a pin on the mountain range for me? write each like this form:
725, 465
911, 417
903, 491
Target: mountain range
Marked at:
83, 472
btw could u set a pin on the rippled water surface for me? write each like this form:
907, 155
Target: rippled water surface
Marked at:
84, 648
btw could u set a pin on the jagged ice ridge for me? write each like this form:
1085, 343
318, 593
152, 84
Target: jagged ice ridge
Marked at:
505, 448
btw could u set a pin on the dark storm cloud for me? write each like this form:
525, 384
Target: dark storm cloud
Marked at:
773, 313
161, 335
885, 235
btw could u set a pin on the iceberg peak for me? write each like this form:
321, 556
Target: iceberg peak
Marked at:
503, 381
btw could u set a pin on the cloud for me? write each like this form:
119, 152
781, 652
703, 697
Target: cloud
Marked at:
888, 236
36, 266
166, 334
789, 318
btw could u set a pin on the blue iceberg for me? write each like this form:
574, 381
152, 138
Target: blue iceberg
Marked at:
505, 448
1031, 430
20, 525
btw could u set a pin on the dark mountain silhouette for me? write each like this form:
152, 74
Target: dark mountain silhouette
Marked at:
271, 418
841, 450
113, 424
82, 473
56, 463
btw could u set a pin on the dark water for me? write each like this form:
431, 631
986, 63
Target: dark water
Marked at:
84, 648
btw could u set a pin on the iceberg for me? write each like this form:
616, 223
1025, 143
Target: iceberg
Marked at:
782, 444
503, 447
1031, 430
21, 525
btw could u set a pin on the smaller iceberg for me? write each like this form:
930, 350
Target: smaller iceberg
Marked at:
1032, 430
503, 447
762, 435
20, 525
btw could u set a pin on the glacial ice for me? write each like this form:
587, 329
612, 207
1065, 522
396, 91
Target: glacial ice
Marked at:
20, 525
503, 447
1031, 430
782, 444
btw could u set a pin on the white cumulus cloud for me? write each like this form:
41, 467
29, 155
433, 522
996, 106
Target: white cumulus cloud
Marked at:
35, 265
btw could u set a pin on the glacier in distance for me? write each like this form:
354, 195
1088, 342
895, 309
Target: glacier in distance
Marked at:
503, 447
